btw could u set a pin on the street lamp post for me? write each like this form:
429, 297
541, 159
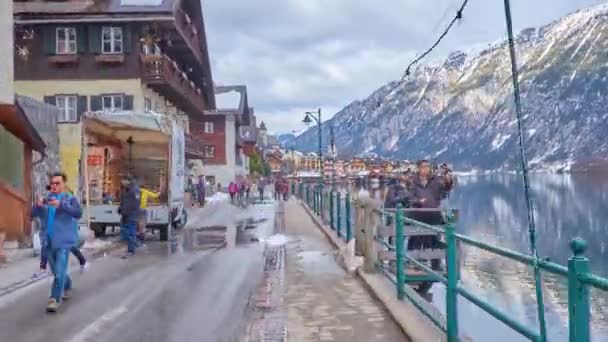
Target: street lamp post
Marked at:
308, 119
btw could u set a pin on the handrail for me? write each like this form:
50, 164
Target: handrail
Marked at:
576, 272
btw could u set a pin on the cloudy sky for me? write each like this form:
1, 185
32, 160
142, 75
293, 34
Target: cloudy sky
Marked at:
298, 55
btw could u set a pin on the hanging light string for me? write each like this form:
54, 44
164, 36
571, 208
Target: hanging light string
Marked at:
456, 18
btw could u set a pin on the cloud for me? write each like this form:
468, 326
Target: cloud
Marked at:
297, 55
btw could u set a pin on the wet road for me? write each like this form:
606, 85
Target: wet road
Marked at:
187, 295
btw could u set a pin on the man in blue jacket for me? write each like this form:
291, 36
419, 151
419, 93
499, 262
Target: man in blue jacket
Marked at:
58, 213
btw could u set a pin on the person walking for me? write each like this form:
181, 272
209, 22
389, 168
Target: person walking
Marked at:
233, 189
142, 219
201, 188
129, 210
59, 213
261, 186
75, 250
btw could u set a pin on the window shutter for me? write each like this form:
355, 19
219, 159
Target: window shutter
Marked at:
81, 38
94, 39
49, 39
127, 38
95, 103
128, 102
50, 100
81, 106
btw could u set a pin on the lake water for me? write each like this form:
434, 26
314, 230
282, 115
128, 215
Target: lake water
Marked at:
493, 210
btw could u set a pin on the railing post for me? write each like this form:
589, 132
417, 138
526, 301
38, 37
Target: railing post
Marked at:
349, 228
338, 210
452, 286
399, 248
331, 210
578, 293
360, 224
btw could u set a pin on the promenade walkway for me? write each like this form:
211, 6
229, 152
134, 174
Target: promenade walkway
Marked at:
324, 302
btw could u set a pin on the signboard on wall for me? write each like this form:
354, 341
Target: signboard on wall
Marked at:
94, 160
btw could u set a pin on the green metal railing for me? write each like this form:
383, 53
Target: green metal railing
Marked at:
338, 208
577, 274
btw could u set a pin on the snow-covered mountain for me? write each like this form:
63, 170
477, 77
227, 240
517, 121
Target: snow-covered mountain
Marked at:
462, 110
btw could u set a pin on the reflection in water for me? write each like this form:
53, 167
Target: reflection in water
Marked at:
493, 209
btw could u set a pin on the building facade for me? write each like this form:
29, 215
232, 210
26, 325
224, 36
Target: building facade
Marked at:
225, 159
146, 58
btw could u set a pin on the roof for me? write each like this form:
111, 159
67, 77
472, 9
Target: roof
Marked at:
231, 100
14, 119
95, 6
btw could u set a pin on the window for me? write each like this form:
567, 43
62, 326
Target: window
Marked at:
65, 40
209, 151
147, 105
67, 107
209, 127
112, 102
111, 39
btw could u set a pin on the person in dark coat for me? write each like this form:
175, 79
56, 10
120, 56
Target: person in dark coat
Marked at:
201, 190
427, 191
129, 210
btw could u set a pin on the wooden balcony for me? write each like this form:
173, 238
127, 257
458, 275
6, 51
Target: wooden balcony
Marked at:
189, 33
166, 78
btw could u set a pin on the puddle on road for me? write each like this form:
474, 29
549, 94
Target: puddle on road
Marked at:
318, 262
242, 232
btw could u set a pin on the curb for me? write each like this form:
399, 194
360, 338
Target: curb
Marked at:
32, 280
412, 322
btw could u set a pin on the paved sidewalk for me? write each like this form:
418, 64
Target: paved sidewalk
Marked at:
324, 302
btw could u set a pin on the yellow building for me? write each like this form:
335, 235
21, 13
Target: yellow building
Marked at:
80, 59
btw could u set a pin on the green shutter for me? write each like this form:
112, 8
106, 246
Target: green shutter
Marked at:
81, 106
128, 102
49, 39
95, 103
127, 39
50, 100
94, 39
81, 38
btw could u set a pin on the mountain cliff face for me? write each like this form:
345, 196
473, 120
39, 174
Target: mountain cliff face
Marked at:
462, 111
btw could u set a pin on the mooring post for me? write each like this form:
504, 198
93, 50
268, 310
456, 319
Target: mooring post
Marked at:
578, 293
373, 220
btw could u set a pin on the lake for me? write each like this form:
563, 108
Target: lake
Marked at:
493, 209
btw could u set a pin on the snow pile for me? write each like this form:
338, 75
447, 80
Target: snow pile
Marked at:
218, 197
276, 240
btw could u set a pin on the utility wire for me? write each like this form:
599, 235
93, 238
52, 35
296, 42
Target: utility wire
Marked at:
445, 32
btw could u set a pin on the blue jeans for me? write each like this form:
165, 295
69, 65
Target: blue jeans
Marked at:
58, 259
128, 233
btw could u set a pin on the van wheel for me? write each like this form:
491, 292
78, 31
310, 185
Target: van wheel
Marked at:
183, 220
164, 233
99, 230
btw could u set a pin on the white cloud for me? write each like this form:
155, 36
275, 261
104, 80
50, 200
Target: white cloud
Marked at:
297, 55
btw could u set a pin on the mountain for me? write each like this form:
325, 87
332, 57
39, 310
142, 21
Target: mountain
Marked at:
462, 110
286, 140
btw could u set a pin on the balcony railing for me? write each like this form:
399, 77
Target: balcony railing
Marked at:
160, 72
